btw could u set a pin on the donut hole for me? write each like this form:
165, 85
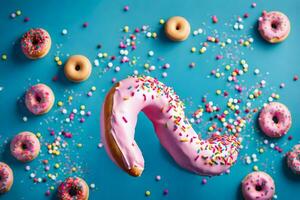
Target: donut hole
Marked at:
178, 27
275, 119
38, 98
275, 25
258, 187
73, 191
0, 178
77, 67
24, 146
35, 41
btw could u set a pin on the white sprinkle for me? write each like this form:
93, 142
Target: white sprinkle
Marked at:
241, 26
135, 72
64, 32
25, 119
92, 186
27, 167
117, 69
228, 41
164, 74
151, 53
110, 64
256, 71
152, 68
96, 62
272, 145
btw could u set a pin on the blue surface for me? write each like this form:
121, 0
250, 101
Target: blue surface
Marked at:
277, 64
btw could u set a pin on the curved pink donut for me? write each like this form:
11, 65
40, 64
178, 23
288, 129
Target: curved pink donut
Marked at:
258, 186
293, 159
274, 26
164, 108
39, 99
6, 178
275, 119
25, 146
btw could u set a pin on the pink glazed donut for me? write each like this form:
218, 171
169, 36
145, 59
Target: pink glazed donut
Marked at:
293, 159
258, 186
274, 26
6, 178
163, 107
39, 99
25, 146
275, 119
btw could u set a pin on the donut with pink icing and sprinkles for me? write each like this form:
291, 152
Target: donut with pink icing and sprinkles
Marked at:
6, 178
39, 99
274, 26
73, 188
293, 159
258, 186
275, 119
25, 146
36, 43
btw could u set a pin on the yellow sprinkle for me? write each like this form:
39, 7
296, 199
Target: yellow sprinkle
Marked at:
218, 92
147, 193
59, 62
218, 75
105, 55
226, 112
161, 21
193, 49
126, 29
277, 96
93, 88
223, 44
227, 67
82, 107
255, 168
52, 188
251, 96
38, 134
146, 65
202, 50
74, 169
79, 145
60, 103
210, 128
56, 166
184, 140
154, 35
261, 150
246, 43
70, 98
56, 58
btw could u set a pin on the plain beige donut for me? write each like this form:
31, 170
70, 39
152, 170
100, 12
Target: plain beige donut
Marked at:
177, 28
78, 68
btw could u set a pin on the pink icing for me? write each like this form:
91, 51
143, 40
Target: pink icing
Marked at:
275, 119
39, 99
164, 108
6, 179
25, 146
258, 186
35, 41
274, 26
293, 159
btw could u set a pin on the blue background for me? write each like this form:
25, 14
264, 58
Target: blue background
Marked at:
277, 63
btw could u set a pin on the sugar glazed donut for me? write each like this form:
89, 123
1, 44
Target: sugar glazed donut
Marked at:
36, 43
25, 146
39, 99
78, 68
274, 26
177, 28
6, 178
275, 119
293, 159
73, 189
258, 186
164, 108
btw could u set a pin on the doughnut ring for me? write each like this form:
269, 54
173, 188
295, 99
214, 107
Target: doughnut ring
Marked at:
293, 159
163, 107
177, 28
73, 188
78, 68
6, 178
274, 26
36, 43
275, 119
25, 146
39, 99
258, 186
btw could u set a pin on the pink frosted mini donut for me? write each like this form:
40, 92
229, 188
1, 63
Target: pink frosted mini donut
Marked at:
6, 178
274, 26
73, 188
275, 119
293, 159
25, 146
258, 186
39, 99
36, 43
